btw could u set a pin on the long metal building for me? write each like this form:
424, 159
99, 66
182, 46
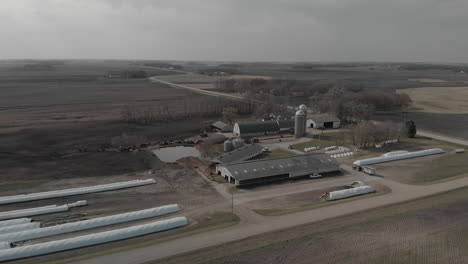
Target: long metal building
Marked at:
266, 170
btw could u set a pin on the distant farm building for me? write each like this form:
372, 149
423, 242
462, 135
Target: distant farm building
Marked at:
267, 170
323, 121
221, 126
262, 128
215, 139
241, 154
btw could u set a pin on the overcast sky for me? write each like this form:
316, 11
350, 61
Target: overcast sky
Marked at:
245, 30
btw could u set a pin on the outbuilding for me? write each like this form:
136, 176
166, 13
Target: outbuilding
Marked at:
221, 126
323, 121
267, 170
255, 129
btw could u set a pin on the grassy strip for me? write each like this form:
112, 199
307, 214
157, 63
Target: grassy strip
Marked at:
380, 190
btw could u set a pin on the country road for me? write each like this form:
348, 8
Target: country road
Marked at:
197, 90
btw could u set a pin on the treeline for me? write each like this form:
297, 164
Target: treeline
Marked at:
185, 109
164, 65
218, 71
350, 101
425, 67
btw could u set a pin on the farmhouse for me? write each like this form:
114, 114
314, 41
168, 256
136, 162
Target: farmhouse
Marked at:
323, 121
244, 153
262, 128
266, 170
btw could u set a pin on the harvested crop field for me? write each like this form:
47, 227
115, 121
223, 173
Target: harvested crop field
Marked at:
428, 230
449, 100
51, 102
201, 85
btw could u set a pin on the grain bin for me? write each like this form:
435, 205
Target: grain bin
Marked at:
238, 143
228, 146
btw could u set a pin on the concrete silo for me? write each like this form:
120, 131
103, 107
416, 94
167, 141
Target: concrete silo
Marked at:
303, 107
228, 146
300, 123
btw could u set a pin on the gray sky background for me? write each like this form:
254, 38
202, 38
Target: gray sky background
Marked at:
250, 30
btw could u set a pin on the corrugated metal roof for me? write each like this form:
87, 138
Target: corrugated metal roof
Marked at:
286, 124
244, 153
219, 124
321, 118
259, 127
276, 166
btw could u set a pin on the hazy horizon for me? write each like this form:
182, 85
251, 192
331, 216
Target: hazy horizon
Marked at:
427, 31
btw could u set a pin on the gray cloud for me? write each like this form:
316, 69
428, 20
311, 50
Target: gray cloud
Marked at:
274, 30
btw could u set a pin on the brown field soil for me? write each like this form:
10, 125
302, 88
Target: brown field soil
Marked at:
250, 77
450, 100
427, 80
48, 117
201, 85
25, 104
427, 230
189, 78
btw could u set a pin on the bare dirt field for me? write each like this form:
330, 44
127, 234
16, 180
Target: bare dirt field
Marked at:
250, 77
426, 80
54, 124
449, 100
201, 85
427, 230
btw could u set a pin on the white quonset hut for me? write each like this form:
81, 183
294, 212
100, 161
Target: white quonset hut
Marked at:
266, 170
323, 121
400, 155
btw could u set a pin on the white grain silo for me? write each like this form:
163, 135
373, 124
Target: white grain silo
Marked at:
300, 123
303, 107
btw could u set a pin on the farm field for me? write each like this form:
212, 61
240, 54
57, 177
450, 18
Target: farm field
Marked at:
449, 100
55, 123
427, 230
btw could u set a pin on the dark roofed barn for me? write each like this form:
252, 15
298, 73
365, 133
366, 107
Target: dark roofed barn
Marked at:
258, 128
266, 170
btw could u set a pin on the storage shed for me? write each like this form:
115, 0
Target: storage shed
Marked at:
323, 121
221, 126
